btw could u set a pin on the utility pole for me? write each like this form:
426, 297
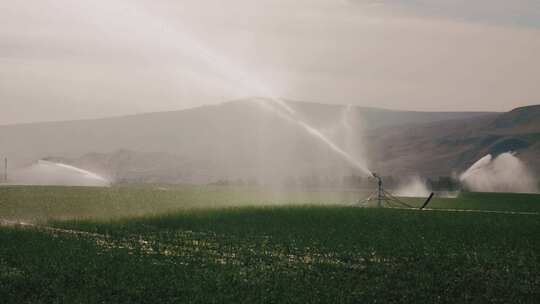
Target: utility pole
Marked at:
5, 169
380, 192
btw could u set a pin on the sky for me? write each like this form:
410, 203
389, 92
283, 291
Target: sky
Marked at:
66, 60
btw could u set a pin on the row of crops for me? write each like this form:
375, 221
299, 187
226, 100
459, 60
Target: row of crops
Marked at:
272, 254
275, 254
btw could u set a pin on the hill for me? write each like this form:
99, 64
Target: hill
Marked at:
452, 146
242, 140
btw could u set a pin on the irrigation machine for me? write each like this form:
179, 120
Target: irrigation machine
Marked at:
383, 198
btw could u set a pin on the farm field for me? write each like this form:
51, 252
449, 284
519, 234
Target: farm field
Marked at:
233, 245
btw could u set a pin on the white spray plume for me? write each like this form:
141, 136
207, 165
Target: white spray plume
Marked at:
413, 187
505, 173
240, 78
417, 187
57, 174
245, 80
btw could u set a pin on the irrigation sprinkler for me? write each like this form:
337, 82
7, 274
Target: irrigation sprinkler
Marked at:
386, 199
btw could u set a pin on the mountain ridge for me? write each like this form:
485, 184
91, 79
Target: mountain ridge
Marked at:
151, 113
238, 139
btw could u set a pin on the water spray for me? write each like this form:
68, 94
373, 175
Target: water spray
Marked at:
45, 172
187, 43
503, 173
290, 115
276, 105
182, 41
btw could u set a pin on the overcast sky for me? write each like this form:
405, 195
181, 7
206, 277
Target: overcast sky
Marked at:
65, 59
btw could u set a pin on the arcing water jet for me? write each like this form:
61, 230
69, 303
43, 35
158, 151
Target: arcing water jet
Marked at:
289, 114
57, 174
247, 81
139, 20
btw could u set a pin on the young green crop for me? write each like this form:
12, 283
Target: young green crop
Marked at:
272, 254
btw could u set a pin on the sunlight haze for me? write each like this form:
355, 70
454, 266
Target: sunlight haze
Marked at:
65, 60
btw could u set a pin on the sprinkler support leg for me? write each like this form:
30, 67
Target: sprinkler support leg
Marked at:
427, 201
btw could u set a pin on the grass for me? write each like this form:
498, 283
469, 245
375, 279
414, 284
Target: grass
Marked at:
40, 204
193, 247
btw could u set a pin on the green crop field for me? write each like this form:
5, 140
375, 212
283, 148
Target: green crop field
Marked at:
239, 245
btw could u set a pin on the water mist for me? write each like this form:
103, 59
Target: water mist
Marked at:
127, 14
504, 173
413, 187
240, 77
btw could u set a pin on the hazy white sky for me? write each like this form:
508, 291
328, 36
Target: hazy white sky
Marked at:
65, 59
